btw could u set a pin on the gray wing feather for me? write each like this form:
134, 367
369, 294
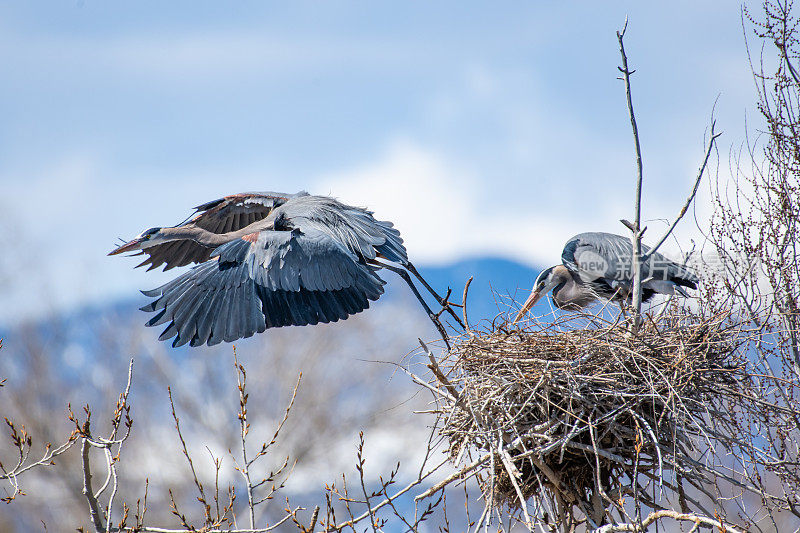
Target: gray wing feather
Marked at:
354, 227
171, 331
606, 255
282, 278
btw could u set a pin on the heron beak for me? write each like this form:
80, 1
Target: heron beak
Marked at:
530, 302
127, 247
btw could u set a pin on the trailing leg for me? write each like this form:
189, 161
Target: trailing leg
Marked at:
411, 268
403, 274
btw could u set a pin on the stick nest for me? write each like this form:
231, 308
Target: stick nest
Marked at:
579, 411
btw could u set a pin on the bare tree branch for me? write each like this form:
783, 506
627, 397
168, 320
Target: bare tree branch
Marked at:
636, 231
88, 492
657, 515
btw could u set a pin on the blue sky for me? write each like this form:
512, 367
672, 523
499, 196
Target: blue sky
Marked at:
479, 128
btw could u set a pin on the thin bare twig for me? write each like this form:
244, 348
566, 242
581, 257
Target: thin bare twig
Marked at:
688, 202
636, 231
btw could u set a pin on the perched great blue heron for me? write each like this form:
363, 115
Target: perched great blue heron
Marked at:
269, 260
599, 265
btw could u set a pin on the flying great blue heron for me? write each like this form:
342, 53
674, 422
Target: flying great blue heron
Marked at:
269, 260
599, 265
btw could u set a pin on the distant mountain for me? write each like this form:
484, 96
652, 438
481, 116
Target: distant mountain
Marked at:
495, 281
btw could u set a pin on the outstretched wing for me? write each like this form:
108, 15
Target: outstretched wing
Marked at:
224, 215
265, 280
353, 227
606, 257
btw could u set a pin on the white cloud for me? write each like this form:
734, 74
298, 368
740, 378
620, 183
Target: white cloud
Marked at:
446, 212
442, 209
417, 191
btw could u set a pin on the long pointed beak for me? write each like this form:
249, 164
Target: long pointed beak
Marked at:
530, 302
127, 247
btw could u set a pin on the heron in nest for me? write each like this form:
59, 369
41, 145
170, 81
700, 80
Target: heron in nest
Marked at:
599, 266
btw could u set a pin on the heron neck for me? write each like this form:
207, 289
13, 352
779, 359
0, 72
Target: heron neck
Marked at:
204, 237
571, 294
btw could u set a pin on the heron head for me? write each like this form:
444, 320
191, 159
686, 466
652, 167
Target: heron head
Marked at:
146, 239
542, 278
545, 281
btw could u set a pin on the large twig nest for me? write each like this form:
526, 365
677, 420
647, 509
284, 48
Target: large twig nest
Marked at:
580, 405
